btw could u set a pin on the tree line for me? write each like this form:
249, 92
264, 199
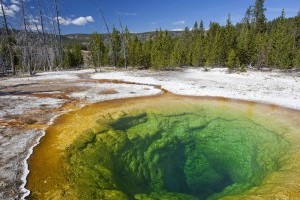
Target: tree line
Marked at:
31, 43
252, 42
36, 44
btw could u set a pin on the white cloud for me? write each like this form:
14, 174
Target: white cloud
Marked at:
34, 27
9, 10
80, 21
64, 21
33, 21
14, 1
9, 13
180, 22
14, 8
90, 19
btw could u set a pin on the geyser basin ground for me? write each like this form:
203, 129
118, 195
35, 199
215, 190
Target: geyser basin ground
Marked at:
169, 147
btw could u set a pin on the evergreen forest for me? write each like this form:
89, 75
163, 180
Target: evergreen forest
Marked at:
255, 41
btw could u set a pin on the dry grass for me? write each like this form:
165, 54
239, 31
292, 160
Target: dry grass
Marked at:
108, 91
71, 89
22, 119
30, 121
11, 116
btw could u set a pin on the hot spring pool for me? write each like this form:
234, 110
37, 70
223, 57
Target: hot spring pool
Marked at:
169, 147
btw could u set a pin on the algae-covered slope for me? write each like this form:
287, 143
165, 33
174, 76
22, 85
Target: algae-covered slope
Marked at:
179, 148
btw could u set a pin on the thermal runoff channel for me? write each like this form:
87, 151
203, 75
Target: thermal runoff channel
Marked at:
162, 148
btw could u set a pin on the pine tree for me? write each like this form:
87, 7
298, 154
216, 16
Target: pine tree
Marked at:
214, 50
132, 51
211, 34
140, 54
72, 57
176, 56
230, 37
115, 52
186, 47
282, 44
167, 45
199, 47
4, 56
232, 60
297, 59
259, 16
124, 44
78, 58
161, 49
297, 30
195, 27
136, 52
98, 51
263, 50
297, 40
195, 31
247, 18
201, 27
155, 49
147, 47
246, 46
246, 40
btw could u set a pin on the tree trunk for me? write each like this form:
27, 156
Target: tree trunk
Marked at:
108, 32
11, 55
60, 52
27, 49
124, 44
45, 52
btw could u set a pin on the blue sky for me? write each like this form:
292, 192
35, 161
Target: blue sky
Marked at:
81, 16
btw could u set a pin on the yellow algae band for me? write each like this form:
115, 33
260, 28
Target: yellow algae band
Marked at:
167, 147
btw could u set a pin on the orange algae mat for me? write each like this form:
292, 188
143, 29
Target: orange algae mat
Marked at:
169, 147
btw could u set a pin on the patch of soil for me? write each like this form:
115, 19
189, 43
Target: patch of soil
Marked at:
108, 91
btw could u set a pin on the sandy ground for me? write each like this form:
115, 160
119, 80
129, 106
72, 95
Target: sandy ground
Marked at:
28, 105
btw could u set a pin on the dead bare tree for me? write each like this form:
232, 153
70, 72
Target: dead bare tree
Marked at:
111, 43
9, 46
45, 54
53, 44
124, 45
41, 20
60, 50
27, 52
104, 20
50, 38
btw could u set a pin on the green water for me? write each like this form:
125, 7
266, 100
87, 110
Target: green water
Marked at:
197, 152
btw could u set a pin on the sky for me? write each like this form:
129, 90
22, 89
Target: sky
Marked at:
82, 16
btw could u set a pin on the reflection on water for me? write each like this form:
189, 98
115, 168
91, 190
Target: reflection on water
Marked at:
169, 147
